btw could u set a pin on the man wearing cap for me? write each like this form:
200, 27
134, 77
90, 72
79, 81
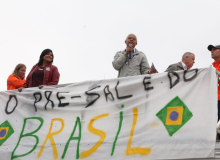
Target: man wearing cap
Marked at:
188, 59
215, 53
130, 61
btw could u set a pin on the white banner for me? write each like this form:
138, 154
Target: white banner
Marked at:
160, 116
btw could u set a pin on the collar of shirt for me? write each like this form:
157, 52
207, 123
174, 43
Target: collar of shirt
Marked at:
215, 64
184, 66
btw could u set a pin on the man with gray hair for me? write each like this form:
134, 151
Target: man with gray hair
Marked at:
188, 59
130, 61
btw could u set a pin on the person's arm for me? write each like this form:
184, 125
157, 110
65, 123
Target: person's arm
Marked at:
144, 66
119, 60
10, 86
28, 79
27, 82
55, 77
15, 82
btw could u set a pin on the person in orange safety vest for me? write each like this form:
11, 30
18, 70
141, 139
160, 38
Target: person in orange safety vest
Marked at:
16, 79
215, 53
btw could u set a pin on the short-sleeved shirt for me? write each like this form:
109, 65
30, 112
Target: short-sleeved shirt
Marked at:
38, 77
217, 67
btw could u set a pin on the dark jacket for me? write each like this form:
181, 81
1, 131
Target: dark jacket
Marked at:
175, 67
51, 75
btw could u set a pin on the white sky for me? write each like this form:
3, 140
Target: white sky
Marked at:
85, 35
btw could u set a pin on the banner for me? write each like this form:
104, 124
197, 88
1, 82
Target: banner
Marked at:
161, 116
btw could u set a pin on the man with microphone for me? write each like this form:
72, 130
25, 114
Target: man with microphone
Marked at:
131, 62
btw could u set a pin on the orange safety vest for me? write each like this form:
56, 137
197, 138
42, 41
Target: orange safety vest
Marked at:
217, 67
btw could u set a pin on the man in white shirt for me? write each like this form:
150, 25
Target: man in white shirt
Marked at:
188, 59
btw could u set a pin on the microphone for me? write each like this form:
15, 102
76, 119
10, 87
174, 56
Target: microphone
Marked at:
129, 55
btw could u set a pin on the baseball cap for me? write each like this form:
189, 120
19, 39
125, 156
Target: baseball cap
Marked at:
211, 46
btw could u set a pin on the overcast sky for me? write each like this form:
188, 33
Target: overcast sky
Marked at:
85, 35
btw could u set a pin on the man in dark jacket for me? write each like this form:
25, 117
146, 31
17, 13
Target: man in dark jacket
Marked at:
188, 59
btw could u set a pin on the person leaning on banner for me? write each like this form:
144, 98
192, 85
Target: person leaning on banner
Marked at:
43, 73
215, 53
16, 79
131, 62
188, 59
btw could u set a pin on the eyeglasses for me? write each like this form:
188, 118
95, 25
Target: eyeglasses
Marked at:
132, 38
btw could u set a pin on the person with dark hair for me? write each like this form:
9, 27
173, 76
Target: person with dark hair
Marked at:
43, 73
16, 79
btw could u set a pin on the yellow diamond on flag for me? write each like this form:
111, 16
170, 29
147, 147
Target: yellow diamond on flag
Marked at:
174, 115
3, 132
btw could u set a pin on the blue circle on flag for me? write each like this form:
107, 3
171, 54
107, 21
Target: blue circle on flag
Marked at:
174, 116
3, 133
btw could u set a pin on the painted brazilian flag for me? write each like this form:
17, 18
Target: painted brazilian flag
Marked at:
174, 115
6, 131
